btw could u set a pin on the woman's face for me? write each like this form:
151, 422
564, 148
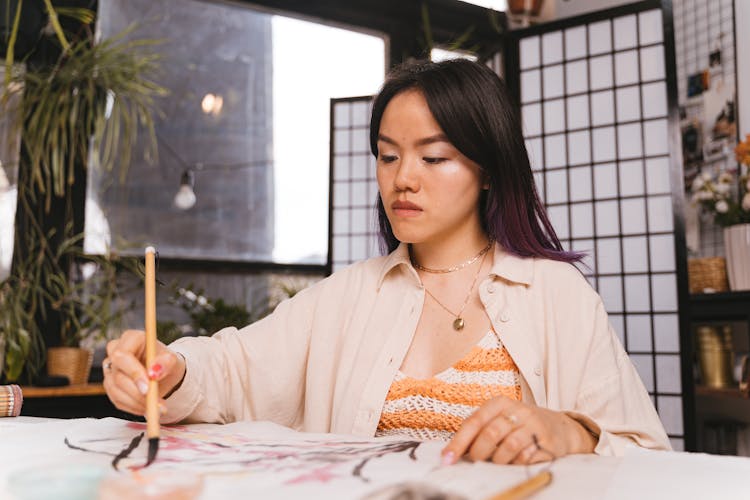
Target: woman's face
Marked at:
430, 190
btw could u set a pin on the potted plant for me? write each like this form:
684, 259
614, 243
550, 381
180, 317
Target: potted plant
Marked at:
91, 298
88, 296
727, 198
20, 341
83, 111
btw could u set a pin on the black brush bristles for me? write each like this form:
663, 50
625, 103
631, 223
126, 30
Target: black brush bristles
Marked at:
153, 448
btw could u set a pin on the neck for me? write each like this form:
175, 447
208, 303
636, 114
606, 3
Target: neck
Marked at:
447, 253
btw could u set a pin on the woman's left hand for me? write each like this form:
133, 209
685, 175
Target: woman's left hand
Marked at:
506, 431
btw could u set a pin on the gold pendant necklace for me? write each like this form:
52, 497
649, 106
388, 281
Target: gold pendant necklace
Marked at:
458, 322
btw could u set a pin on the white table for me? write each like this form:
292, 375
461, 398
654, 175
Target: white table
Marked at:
38, 442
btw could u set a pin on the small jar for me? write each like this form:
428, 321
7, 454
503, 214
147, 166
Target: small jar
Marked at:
11, 400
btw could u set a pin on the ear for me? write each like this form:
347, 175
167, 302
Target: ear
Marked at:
485, 179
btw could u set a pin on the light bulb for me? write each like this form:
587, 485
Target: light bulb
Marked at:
211, 104
185, 197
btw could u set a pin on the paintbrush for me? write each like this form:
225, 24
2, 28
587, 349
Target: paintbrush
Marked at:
526, 488
152, 395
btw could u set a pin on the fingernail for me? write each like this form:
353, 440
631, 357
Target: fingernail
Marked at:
155, 371
162, 409
448, 458
142, 386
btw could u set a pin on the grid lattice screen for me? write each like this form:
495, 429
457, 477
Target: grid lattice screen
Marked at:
702, 27
354, 188
594, 104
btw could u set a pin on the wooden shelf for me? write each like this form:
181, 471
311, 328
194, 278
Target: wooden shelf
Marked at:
64, 391
730, 392
720, 306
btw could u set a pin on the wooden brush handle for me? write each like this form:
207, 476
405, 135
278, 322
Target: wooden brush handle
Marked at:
152, 396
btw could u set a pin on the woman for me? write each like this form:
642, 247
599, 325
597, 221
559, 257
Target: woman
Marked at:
475, 328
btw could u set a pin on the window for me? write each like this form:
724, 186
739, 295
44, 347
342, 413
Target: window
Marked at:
248, 119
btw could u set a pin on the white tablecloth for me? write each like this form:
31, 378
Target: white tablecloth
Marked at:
28, 443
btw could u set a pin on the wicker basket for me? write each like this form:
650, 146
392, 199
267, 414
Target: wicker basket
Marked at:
707, 275
71, 362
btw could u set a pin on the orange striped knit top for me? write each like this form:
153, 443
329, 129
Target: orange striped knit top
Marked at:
433, 408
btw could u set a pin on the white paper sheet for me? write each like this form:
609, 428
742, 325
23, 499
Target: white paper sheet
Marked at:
261, 460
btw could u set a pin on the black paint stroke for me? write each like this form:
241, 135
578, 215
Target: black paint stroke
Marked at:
396, 447
127, 450
324, 454
123, 454
74, 447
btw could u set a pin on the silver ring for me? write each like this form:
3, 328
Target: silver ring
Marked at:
107, 365
511, 418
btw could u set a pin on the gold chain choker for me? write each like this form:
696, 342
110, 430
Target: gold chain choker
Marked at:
457, 267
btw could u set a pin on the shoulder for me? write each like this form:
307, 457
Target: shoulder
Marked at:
561, 281
364, 269
359, 274
551, 272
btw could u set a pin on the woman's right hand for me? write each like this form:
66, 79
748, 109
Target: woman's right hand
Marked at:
126, 376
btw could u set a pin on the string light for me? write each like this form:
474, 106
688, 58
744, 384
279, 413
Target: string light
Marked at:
185, 197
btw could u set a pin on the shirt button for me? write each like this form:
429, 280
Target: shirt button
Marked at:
504, 318
538, 371
491, 288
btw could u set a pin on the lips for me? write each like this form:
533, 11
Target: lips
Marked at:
406, 209
405, 205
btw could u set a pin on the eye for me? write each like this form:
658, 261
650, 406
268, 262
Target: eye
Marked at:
387, 158
433, 160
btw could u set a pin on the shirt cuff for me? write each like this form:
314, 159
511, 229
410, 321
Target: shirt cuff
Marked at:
602, 444
183, 401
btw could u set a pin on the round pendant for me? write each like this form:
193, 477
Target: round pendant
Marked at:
458, 324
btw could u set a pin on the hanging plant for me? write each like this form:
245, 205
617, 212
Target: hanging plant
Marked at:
88, 107
85, 109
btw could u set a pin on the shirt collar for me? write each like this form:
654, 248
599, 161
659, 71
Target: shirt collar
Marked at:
505, 265
511, 267
397, 258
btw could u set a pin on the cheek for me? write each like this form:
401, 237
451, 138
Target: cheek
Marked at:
382, 178
460, 185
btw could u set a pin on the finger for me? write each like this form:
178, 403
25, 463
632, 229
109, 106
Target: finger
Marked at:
471, 427
112, 346
127, 363
106, 366
162, 366
541, 454
513, 444
162, 406
123, 382
526, 455
122, 400
134, 342
489, 438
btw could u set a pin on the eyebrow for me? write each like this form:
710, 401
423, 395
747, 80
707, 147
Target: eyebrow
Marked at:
421, 142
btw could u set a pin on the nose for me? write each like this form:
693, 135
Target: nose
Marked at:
407, 176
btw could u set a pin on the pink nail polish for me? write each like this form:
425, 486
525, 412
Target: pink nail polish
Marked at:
155, 371
448, 458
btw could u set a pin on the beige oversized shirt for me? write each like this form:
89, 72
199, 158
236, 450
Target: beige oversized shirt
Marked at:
325, 359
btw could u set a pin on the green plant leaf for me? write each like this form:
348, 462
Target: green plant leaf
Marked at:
9, 53
56, 25
80, 14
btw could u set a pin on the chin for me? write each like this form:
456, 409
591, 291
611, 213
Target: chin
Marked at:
407, 236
